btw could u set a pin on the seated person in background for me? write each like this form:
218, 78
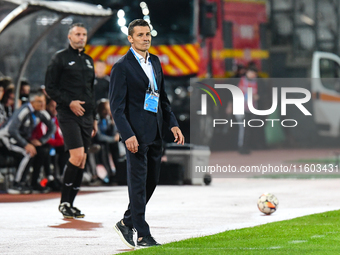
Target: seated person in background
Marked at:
43, 89
57, 140
16, 133
107, 136
25, 88
48, 152
41, 159
249, 80
6, 82
240, 71
6, 98
3, 115
8, 102
101, 81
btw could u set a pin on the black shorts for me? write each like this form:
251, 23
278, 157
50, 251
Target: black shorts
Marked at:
76, 130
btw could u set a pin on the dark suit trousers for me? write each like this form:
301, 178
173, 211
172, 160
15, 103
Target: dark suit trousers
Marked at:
143, 170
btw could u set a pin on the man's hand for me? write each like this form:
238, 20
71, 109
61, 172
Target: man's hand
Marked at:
116, 137
179, 138
36, 142
95, 128
30, 149
76, 107
132, 144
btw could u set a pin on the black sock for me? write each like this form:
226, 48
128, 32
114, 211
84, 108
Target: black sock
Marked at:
70, 174
76, 185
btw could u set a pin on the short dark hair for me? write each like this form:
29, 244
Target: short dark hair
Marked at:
75, 25
48, 100
6, 95
252, 68
5, 81
101, 105
135, 23
24, 83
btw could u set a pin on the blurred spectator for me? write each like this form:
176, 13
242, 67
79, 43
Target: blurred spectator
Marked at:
57, 139
253, 64
8, 102
25, 88
240, 71
108, 138
16, 133
2, 91
249, 80
3, 115
43, 89
6, 82
52, 150
101, 82
264, 102
7, 88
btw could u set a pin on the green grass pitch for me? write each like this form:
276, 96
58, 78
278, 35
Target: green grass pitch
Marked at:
313, 234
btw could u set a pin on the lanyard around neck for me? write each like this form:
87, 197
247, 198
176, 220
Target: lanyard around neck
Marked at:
153, 74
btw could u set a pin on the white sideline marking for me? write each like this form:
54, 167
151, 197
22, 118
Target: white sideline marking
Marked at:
226, 248
317, 236
298, 241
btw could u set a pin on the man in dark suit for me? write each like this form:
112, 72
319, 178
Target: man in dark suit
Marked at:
140, 108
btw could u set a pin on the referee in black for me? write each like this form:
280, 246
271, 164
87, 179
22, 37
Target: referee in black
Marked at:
69, 81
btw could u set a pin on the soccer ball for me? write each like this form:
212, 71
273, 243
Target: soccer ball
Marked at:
267, 203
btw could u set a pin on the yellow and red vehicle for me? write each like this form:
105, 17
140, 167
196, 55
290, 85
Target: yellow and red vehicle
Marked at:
192, 38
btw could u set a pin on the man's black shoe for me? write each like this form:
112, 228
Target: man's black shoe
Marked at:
125, 233
147, 241
65, 209
77, 213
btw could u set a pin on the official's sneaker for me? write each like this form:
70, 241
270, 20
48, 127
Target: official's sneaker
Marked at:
125, 233
65, 209
147, 241
77, 213
19, 188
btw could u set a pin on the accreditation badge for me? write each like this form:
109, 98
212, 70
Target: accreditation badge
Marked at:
151, 101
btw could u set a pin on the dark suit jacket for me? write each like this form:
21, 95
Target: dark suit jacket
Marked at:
128, 84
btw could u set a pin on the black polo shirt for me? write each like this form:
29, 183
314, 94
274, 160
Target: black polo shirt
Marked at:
70, 76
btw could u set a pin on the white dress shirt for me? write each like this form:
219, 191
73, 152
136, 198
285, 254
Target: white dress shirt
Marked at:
147, 67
